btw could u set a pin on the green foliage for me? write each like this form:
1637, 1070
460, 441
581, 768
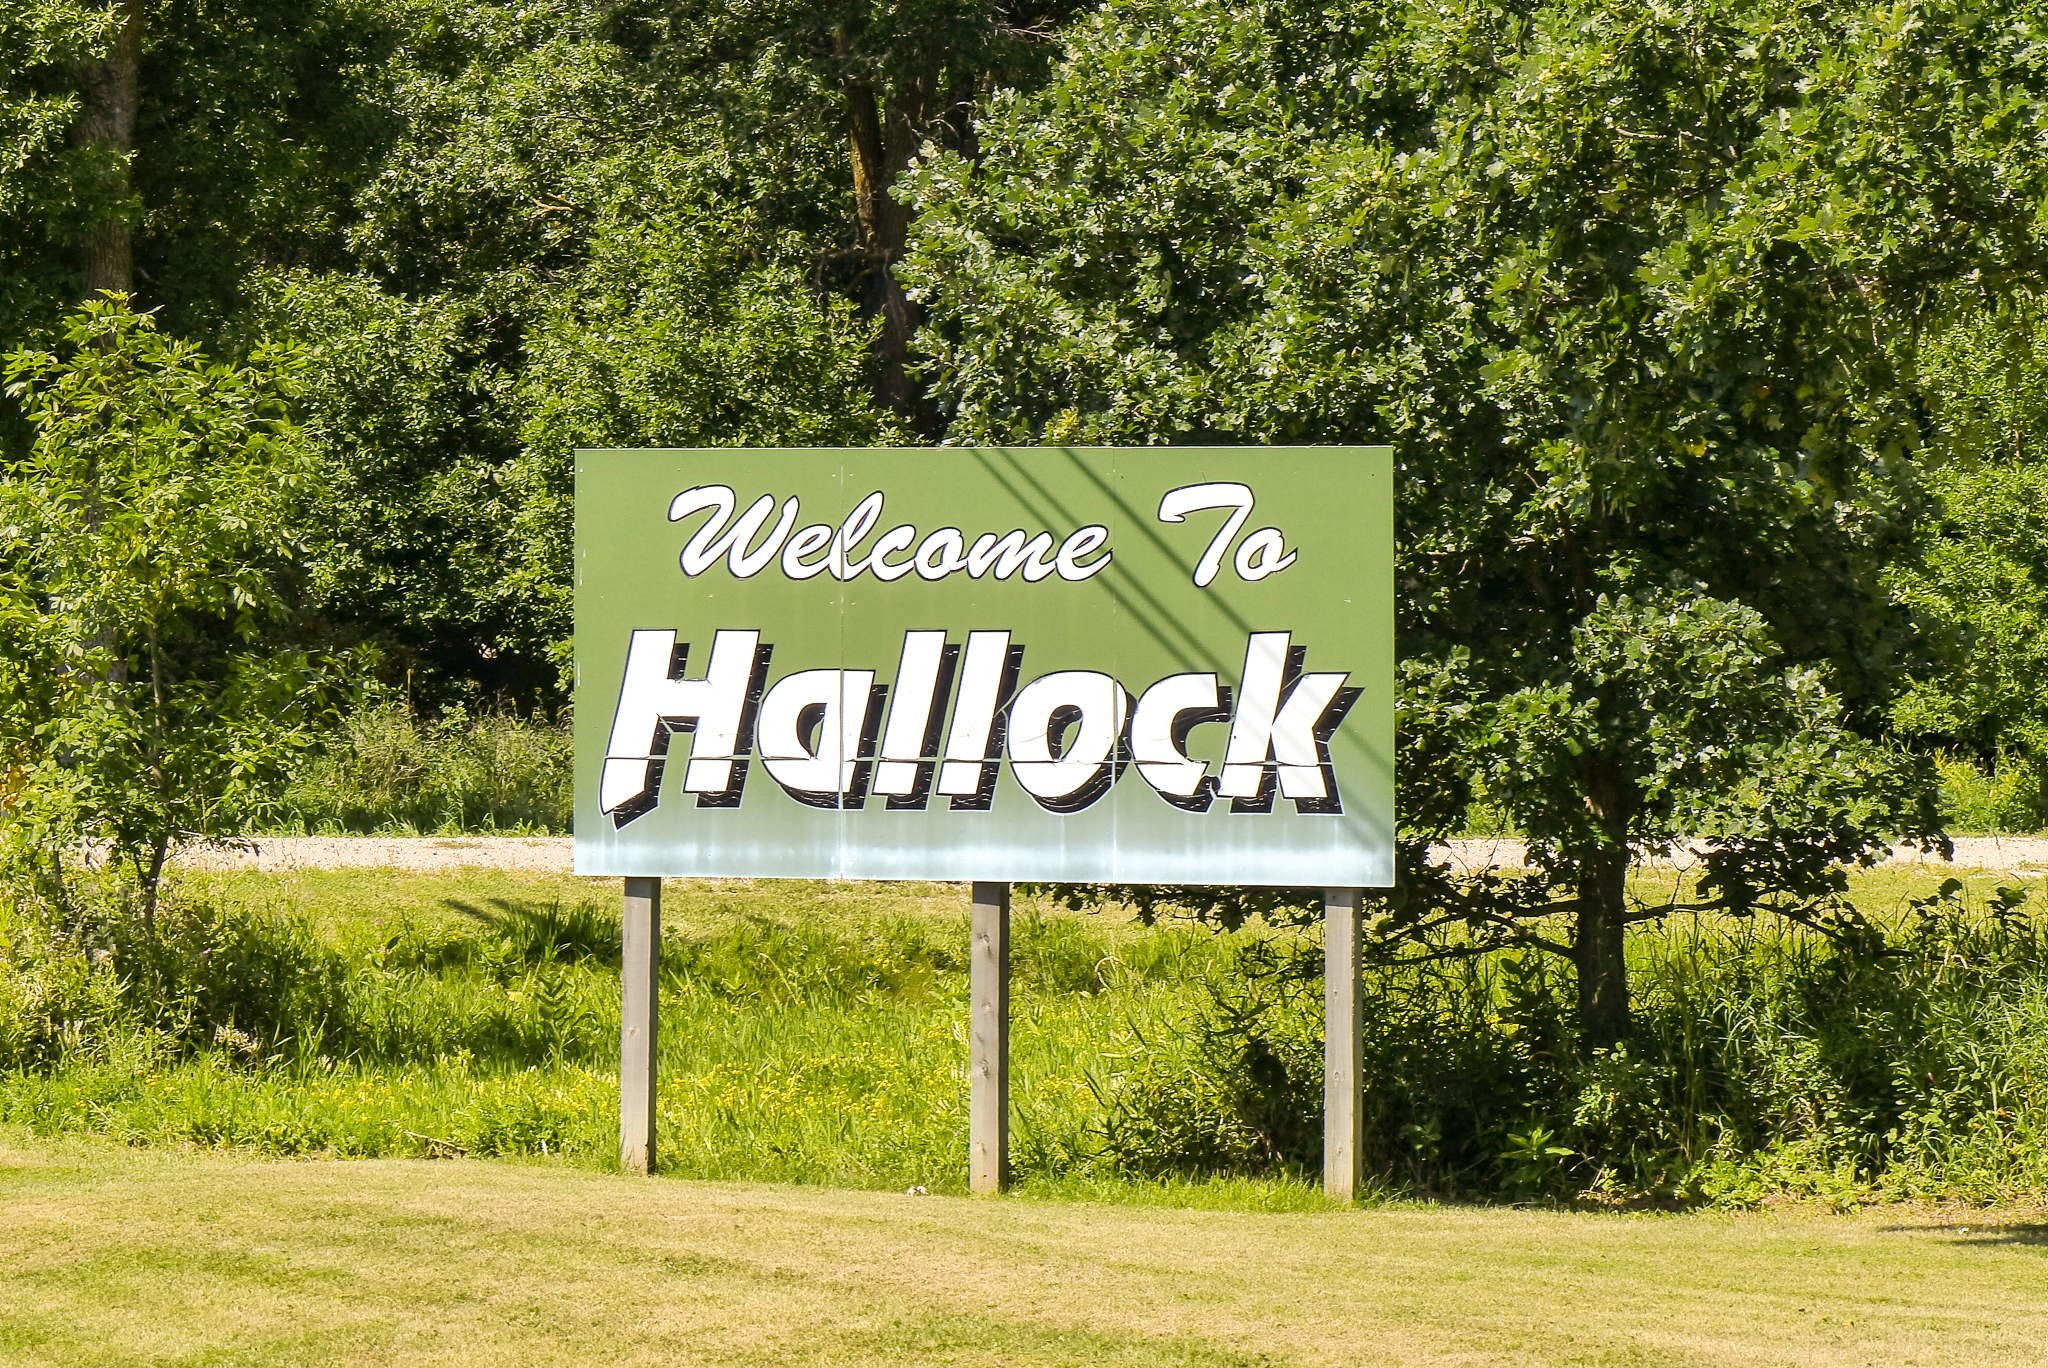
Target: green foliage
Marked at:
256, 121
1762, 1063
1746, 764
1235, 1086
1533, 1160
1979, 585
544, 259
511, 135
697, 332
444, 503
515, 129
35, 44
436, 201
410, 415
1617, 284
891, 79
1980, 364
387, 771
260, 126
264, 988
1766, 1060
144, 548
1750, 767
42, 181
2004, 797
951, 45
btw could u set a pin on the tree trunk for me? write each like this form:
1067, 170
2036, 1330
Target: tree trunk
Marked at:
1597, 949
106, 124
107, 91
882, 138
152, 880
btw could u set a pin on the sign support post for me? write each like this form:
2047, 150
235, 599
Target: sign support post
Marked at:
1343, 1046
639, 1021
988, 1067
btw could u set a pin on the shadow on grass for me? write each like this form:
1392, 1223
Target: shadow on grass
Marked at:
547, 933
2033, 1233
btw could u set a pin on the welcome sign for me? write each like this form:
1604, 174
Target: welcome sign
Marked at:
1151, 665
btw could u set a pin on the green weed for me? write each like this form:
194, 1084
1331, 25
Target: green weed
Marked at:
1993, 800
388, 771
809, 1035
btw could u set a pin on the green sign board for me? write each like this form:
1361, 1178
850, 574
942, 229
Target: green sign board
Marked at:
1148, 665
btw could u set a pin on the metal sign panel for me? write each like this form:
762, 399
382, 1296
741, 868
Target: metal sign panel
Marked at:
1148, 665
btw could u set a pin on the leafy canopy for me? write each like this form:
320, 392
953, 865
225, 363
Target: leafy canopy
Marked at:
145, 556
1622, 286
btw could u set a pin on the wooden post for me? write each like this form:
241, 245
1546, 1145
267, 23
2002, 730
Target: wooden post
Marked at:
988, 1061
1343, 1046
639, 1023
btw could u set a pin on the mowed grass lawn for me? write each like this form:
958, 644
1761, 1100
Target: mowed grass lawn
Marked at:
111, 1254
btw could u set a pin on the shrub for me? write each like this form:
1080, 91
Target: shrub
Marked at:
1995, 799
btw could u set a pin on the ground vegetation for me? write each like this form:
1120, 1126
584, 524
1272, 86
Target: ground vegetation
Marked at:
815, 1035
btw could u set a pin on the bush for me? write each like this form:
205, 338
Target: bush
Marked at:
1760, 1061
1998, 799
150, 693
1237, 1088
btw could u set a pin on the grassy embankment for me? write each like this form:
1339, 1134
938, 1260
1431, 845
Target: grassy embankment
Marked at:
814, 1033
118, 1255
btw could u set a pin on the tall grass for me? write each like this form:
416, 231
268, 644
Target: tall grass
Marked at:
389, 771
1763, 1061
1998, 799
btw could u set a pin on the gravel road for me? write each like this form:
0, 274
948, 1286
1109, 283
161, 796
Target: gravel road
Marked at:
1998, 854
414, 854
555, 854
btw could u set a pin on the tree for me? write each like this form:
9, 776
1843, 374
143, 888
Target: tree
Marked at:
1979, 584
42, 48
145, 555
1669, 730
512, 138
671, 336
1625, 288
167, 146
894, 75
260, 126
545, 257
415, 193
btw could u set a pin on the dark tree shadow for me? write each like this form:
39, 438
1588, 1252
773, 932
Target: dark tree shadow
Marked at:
1989, 1233
549, 932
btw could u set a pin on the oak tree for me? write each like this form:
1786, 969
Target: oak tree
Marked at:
1625, 287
